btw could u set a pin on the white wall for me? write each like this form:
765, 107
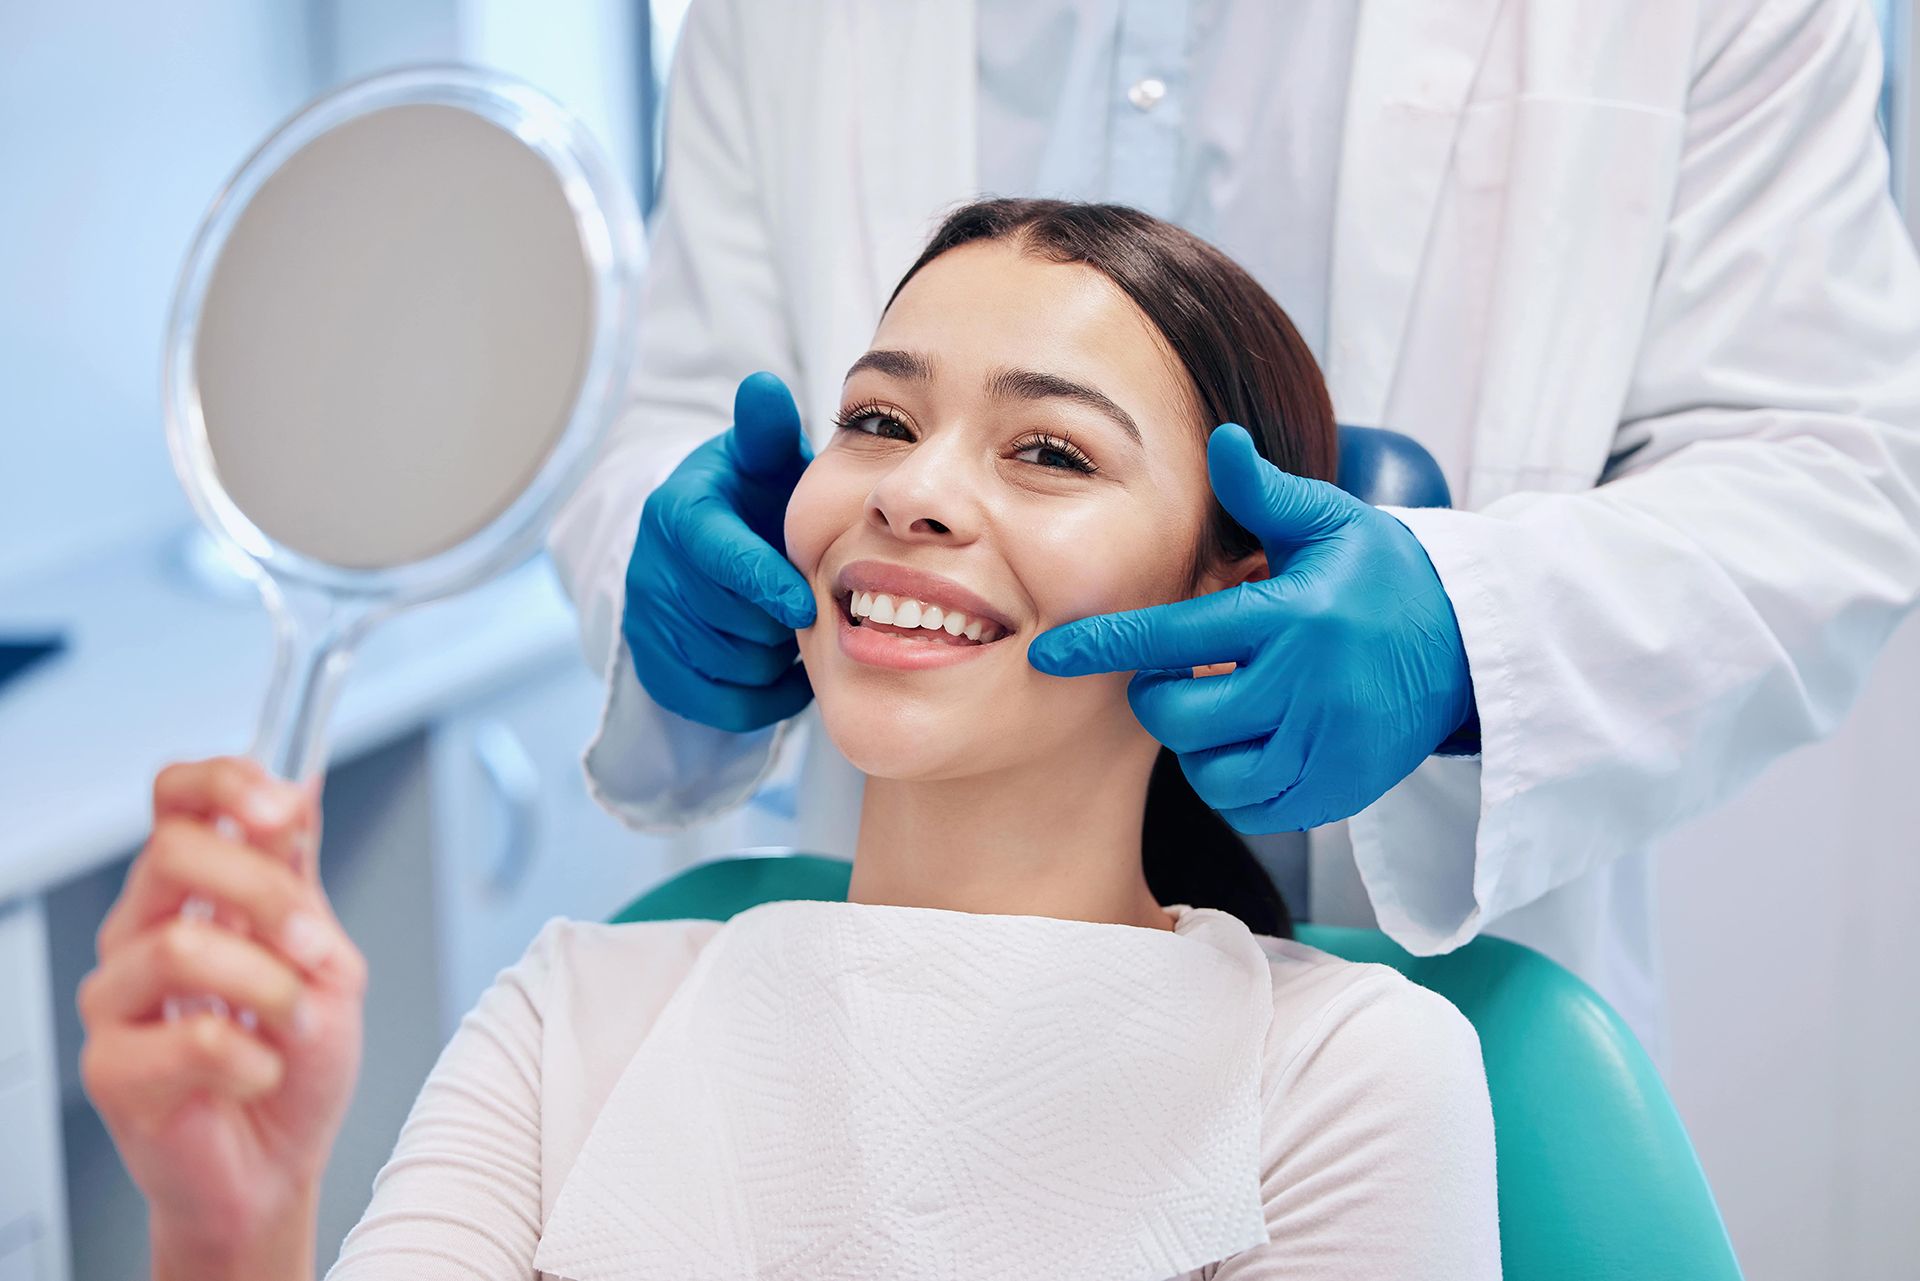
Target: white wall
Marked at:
1794, 980
585, 53
1792, 973
118, 124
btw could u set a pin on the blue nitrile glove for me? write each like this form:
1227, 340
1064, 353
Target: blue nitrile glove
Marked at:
712, 601
1350, 666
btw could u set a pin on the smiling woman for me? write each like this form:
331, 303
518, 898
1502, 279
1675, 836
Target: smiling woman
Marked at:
1026, 441
1042, 1036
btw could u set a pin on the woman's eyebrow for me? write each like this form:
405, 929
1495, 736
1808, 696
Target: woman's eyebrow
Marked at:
900, 364
1031, 384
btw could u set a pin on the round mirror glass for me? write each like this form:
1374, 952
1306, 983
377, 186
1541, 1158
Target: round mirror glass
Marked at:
398, 338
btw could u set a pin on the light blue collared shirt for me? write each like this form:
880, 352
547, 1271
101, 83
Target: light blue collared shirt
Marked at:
1222, 116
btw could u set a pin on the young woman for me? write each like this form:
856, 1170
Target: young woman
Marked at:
1057, 1028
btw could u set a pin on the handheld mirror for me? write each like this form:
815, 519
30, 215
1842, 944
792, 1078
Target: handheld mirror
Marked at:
397, 339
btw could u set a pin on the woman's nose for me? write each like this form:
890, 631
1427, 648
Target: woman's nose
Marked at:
930, 493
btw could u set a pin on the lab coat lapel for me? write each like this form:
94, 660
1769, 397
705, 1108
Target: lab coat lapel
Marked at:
1413, 65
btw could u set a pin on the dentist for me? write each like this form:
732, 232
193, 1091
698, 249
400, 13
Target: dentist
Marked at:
1630, 272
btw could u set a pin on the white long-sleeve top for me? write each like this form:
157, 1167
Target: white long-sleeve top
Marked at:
1376, 1131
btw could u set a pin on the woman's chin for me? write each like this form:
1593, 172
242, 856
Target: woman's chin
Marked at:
895, 744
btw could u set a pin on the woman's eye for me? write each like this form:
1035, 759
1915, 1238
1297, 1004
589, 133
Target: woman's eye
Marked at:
1056, 455
873, 424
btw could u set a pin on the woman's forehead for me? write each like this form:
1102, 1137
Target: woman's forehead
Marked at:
989, 306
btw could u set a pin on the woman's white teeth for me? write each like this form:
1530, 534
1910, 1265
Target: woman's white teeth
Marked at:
879, 607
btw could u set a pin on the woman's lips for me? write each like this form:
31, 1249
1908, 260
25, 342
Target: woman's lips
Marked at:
902, 648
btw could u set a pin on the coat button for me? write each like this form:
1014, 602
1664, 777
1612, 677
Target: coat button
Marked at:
1147, 93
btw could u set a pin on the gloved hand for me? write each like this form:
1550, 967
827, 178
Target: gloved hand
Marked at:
712, 601
1349, 665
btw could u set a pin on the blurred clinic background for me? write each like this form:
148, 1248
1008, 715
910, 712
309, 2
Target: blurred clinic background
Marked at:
456, 815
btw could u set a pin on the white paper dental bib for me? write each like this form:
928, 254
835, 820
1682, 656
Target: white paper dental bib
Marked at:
848, 1090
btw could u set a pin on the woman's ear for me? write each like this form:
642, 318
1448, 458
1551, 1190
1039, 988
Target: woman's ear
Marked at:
1250, 568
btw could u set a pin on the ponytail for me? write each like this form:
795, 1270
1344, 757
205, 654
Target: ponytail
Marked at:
1191, 855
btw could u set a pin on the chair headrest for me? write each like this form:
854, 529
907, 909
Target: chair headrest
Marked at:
1387, 469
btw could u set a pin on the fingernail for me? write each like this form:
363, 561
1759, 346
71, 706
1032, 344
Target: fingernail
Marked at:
305, 939
303, 1019
269, 807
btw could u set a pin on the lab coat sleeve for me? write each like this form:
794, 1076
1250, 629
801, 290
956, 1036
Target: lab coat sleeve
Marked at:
1640, 651
1379, 1148
459, 1199
711, 313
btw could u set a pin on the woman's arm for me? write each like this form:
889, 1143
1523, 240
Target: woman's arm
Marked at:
1379, 1159
459, 1199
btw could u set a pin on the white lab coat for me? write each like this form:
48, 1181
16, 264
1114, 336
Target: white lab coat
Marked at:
1647, 243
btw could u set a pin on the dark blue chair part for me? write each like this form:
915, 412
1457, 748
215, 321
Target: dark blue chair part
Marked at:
1387, 469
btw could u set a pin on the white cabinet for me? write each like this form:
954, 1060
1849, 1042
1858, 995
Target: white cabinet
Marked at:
517, 837
32, 1192
23, 1263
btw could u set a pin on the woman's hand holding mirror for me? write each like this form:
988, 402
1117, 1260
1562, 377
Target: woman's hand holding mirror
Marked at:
225, 1124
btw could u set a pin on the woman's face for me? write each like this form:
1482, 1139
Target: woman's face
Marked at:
959, 476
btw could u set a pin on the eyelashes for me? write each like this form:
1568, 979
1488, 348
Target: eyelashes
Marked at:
1061, 446
849, 418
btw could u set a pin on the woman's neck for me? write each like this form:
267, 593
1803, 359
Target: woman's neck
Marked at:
1060, 841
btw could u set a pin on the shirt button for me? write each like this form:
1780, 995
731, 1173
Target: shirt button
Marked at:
1146, 94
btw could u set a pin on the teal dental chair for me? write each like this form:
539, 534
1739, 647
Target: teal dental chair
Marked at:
1598, 1181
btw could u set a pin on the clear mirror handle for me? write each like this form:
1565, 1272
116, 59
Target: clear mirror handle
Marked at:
315, 635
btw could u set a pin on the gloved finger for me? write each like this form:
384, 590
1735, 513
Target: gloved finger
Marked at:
714, 655
1193, 714
1247, 774
1298, 810
1318, 796
724, 610
1280, 509
717, 542
767, 441
1263, 819
1214, 628
738, 709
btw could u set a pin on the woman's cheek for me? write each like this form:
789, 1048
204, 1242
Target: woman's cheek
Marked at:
1092, 563
807, 529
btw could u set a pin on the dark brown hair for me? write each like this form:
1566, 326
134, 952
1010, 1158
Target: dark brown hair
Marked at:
1248, 365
